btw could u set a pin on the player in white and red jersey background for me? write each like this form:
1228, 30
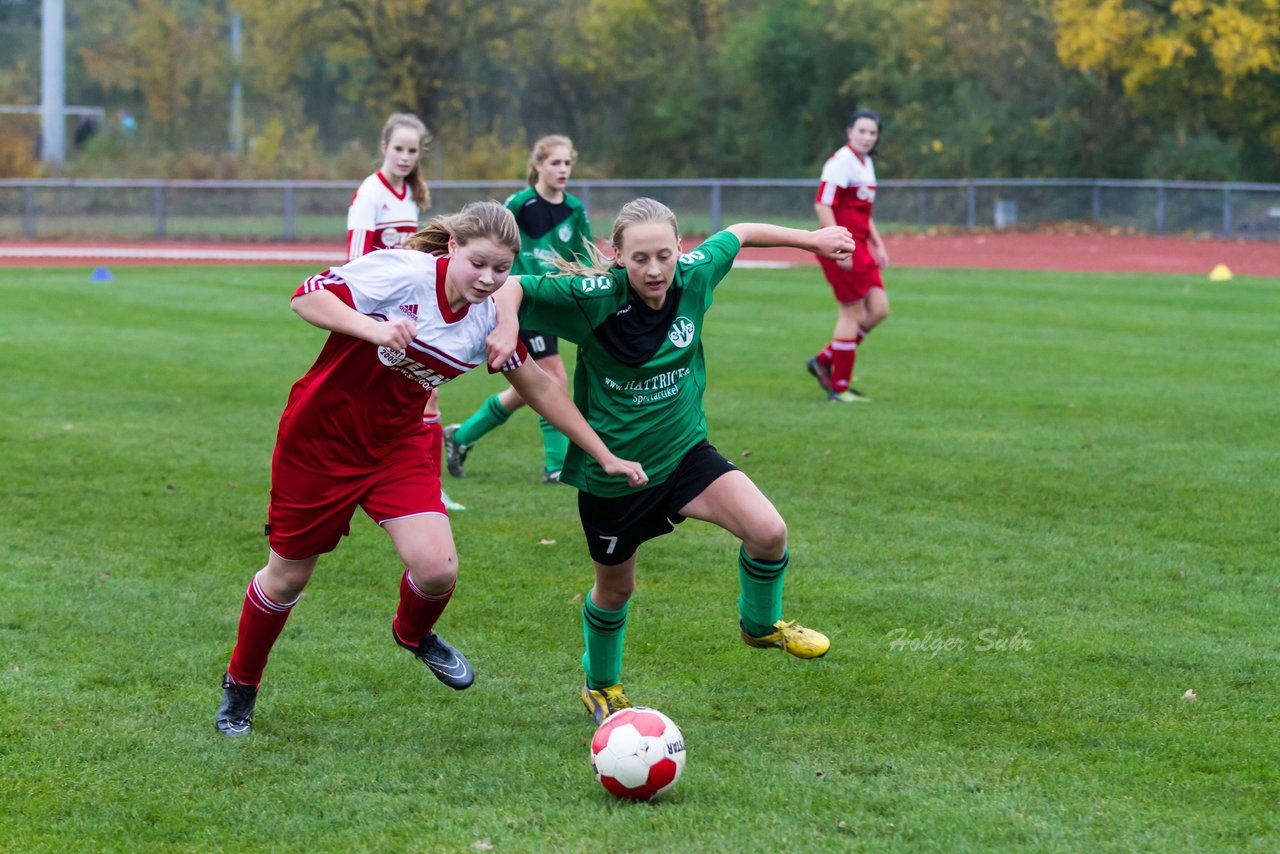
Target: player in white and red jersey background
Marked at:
401, 322
846, 196
384, 214
384, 210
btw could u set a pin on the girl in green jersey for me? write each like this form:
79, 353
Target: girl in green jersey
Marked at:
553, 226
639, 380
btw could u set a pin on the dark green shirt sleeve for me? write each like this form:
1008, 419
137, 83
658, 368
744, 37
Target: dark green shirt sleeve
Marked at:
704, 267
568, 307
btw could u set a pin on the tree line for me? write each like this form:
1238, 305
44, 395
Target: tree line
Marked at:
1187, 89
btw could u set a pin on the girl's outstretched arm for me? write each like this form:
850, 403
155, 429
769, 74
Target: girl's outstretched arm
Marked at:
543, 392
832, 241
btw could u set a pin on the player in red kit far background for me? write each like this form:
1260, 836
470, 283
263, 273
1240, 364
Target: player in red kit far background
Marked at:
402, 322
846, 195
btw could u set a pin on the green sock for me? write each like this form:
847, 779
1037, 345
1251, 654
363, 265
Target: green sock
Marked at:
760, 605
554, 444
491, 414
603, 631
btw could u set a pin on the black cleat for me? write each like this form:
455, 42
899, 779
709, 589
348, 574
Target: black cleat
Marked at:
449, 666
821, 373
550, 478
454, 454
235, 715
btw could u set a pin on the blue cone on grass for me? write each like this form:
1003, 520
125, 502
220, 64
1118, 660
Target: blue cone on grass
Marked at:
101, 274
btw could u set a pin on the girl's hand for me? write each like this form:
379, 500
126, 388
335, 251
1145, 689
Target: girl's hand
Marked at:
395, 334
501, 344
880, 255
634, 472
834, 242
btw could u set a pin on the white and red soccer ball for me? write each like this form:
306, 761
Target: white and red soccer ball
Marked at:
638, 753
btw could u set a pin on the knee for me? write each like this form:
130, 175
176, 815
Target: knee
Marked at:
768, 540
510, 399
620, 591
284, 580
612, 595
432, 573
878, 312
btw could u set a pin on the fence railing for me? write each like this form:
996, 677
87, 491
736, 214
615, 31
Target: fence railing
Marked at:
316, 210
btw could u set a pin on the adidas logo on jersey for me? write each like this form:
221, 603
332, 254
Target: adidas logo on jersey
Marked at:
410, 311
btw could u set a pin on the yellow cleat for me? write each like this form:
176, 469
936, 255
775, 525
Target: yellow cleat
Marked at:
793, 638
604, 702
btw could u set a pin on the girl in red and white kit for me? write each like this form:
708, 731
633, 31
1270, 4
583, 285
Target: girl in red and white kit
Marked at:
402, 323
846, 196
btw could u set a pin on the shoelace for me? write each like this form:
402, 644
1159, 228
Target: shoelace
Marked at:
787, 631
615, 702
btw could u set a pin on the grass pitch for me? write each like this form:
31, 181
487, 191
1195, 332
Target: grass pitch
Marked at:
1058, 515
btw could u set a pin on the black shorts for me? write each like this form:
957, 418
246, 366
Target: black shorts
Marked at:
615, 527
540, 344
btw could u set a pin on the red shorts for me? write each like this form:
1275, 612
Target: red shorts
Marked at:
310, 513
853, 285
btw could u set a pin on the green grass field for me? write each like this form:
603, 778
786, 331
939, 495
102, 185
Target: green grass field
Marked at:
1059, 514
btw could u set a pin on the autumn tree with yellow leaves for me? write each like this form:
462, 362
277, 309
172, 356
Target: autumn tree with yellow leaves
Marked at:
1201, 70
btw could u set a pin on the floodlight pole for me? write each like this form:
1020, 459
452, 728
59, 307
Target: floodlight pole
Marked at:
237, 90
53, 83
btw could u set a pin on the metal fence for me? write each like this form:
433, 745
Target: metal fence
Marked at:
316, 210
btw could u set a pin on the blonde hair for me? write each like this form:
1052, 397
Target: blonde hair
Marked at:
642, 211
477, 219
542, 150
417, 184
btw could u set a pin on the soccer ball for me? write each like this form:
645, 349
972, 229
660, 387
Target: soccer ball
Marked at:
638, 753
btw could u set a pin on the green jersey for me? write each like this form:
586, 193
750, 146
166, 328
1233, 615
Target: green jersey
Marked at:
641, 371
547, 231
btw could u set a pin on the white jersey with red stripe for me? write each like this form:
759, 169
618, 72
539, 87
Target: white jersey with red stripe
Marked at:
379, 217
358, 402
848, 185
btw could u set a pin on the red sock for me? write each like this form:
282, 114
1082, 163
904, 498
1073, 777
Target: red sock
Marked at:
261, 620
846, 351
435, 436
827, 355
862, 333
418, 611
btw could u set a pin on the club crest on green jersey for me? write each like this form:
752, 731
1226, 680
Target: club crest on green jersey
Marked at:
565, 232
682, 331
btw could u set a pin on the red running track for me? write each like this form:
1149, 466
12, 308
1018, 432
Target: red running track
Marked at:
1087, 252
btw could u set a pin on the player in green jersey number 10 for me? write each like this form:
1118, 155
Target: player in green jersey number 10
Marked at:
638, 320
553, 225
